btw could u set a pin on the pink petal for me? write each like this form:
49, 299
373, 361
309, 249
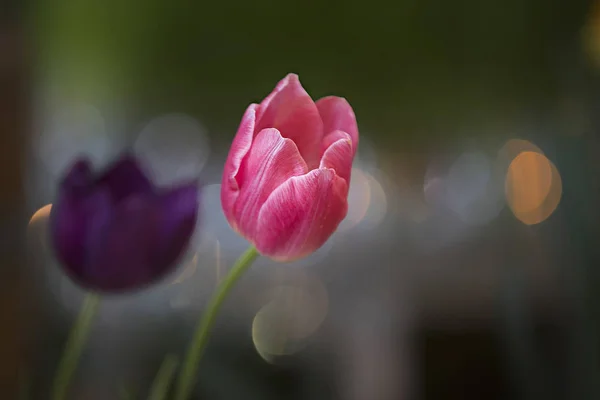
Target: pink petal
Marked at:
264, 105
239, 148
338, 154
290, 110
272, 160
337, 114
301, 215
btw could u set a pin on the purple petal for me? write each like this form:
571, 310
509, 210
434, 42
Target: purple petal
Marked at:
125, 178
79, 177
178, 214
69, 224
120, 246
118, 233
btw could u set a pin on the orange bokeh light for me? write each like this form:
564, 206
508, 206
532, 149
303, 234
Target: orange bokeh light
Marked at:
533, 187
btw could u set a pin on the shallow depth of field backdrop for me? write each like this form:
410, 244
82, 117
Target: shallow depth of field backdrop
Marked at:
467, 267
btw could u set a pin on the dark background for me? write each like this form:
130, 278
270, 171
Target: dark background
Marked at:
500, 310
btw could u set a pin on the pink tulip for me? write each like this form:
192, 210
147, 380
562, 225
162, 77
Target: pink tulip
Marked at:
285, 183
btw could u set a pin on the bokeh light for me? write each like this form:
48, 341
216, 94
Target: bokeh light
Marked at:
367, 202
359, 199
294, 312
378, 205
473, 189
533, 187
512, 148
200, 270
470, 186
174, 146
37, 227
72, 130
41, 215
366, 156
215, 223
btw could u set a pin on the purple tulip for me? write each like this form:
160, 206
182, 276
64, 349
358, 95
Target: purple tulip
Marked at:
116, 231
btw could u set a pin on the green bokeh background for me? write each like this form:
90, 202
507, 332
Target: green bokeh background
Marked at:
413, 70
417, 72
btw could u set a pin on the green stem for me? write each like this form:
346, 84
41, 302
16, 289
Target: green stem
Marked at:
161, 384
74, 346
186, 380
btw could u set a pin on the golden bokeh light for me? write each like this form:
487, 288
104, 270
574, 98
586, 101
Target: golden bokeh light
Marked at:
37, 227
284, 324
269, 334
533, 187
528, 181
40, 215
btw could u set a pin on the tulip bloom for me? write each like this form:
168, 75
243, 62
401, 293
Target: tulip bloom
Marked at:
116, 231
285, 182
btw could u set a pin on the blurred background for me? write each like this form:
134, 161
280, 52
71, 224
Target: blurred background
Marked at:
467, 267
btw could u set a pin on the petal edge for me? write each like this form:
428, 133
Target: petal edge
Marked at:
272, 160
301, 215
242, 142
339, 155
291, 110
337, 114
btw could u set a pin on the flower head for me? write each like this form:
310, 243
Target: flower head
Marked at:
116, 231
285, 182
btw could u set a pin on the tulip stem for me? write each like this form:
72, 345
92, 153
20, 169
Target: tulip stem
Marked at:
186, 380
74, 346
160, 387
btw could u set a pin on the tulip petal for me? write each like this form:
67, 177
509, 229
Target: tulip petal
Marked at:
124, 178
339, 154
272, 161
120, 243
230, 185
79, 178
69, 220
291, 110
69, 213
337, 114
282, 84
301, 215
178, 214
